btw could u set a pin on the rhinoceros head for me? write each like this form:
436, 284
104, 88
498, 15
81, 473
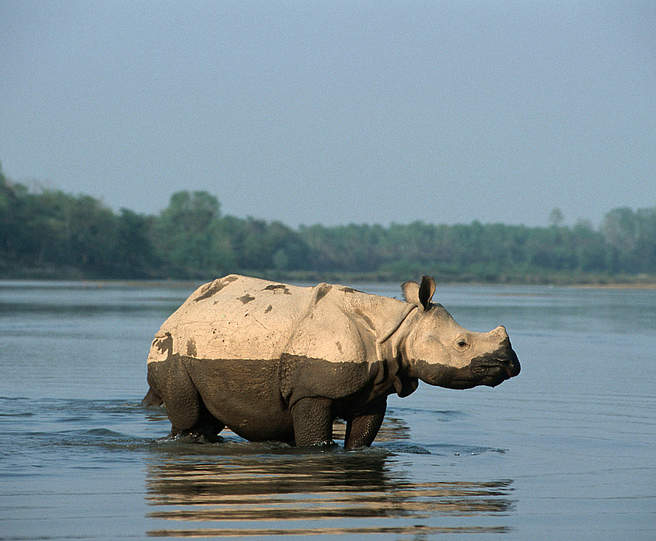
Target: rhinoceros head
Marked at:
441, 352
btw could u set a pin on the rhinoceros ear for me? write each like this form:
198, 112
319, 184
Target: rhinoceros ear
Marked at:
420, 295
426, 291
410, 292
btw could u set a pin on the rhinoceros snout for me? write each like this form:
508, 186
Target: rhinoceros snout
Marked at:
506, 354
513, 368
508, 360
494, 368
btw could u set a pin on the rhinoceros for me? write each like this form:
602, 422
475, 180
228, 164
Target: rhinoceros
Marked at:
276, 362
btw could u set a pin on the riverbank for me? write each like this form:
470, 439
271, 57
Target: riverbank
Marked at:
591, 280
54, 235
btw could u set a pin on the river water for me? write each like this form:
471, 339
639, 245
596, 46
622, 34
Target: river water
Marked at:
564, 451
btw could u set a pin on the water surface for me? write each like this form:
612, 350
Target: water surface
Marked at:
564, 451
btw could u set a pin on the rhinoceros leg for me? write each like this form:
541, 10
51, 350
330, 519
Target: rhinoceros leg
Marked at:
361, 430
313, 422
206, 426
151, 399
184, 406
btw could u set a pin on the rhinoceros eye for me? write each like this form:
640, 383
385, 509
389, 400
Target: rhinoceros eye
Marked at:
462, 343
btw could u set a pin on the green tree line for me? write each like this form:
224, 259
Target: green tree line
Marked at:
51, 233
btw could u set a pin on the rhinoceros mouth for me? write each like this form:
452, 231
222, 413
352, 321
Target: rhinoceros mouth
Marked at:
495, 368
489, 370
490, 374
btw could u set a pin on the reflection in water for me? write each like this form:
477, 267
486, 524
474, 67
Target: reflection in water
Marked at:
236, 488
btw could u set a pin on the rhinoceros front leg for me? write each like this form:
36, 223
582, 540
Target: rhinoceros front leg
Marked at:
361, 429
313, 421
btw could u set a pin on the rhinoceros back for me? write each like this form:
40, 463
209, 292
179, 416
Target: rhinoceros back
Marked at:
234, 317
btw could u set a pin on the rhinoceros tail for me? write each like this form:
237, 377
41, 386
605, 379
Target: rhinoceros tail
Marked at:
151, 399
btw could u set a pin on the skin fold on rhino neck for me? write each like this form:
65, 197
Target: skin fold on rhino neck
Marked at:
392, 346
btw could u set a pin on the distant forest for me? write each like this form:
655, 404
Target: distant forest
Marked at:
52, 234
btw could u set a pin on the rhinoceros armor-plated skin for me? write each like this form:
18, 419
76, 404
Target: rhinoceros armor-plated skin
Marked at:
275, 362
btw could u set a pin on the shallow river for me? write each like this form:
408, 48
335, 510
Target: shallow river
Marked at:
564, 451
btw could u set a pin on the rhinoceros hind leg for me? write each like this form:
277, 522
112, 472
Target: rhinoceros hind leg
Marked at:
362, 429
170, 383
313, 422
206, 428
152, 399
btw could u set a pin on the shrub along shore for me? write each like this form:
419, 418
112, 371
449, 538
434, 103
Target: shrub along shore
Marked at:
50, 234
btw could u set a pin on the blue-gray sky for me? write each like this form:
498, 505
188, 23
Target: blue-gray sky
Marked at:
336, 111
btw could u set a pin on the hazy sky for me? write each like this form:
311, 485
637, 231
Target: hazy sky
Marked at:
336, 112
